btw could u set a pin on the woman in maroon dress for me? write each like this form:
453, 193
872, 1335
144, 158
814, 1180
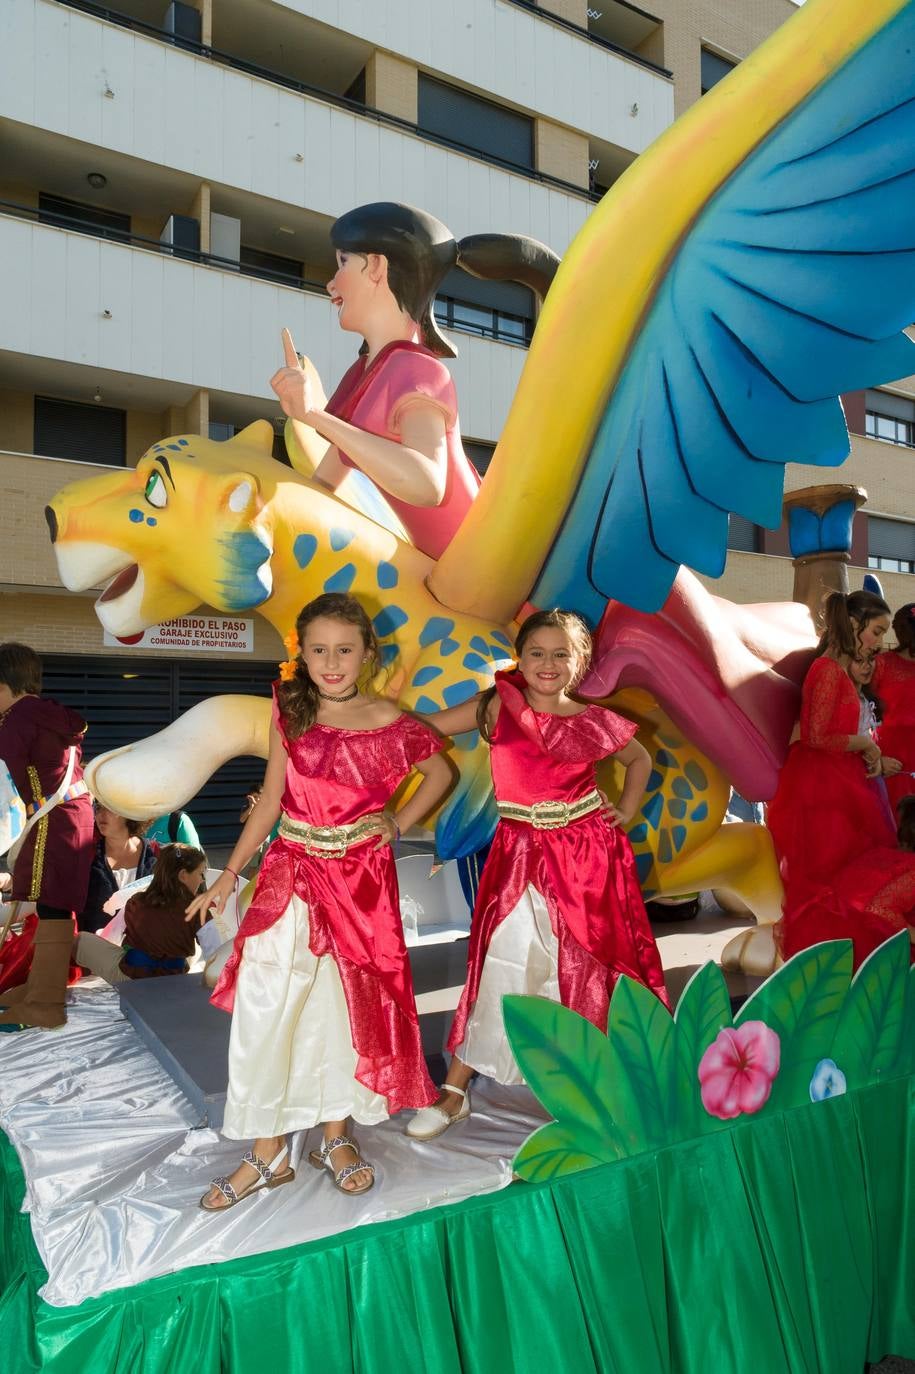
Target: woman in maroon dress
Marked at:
894, 684
52, 866
843, 872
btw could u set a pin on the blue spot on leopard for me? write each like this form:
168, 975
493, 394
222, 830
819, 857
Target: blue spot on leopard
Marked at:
638, 833
460, 691
681, 788
478, 643
340, 537
387, 576
388, 654
643, 863
136, 517
700, 812
448, 647
182, 443
696, 776
304, 549
666, 759
665, 849
679, 836
246, 558
389, 620
655, 780
677, 809
426, 705
475, 663
435, 629
652, 810
151, 520
425, 675
342, 579
467, 741
502, 639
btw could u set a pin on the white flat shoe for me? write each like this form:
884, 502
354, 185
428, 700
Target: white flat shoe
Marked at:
432, 1121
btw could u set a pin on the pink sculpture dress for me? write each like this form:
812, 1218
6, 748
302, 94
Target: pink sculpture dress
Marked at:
559, 912
324, 1021
375, 398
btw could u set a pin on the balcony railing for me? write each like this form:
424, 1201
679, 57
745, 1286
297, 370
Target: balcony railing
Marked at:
343, 102
461, 316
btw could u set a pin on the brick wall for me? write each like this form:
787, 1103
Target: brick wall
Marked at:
392, 85
561, 152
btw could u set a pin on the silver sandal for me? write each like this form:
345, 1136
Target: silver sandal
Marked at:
321, 1159
268, 1179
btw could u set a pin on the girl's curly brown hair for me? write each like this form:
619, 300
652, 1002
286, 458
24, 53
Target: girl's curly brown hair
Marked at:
844, 618
575, 630
166, 889
298, 697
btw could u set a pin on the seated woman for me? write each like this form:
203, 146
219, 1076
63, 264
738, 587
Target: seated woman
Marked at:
121, 855
844, 873
158, 937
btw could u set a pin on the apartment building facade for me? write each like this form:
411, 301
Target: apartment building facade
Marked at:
168, 177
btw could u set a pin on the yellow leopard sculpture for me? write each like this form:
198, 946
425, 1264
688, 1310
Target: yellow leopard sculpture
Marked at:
199, 522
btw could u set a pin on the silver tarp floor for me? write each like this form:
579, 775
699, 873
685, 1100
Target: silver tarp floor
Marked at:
114, 1166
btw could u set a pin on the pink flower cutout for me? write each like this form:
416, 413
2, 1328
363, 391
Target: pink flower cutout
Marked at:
738, 1069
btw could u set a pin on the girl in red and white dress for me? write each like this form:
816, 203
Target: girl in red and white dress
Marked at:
324, 1023
843, 871
559, 912
894, 684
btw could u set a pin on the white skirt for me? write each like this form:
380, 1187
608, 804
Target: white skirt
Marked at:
523, 957
291, 1057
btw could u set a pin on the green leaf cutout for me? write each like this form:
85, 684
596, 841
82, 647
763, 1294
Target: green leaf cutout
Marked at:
802, 1002
557, 1149
643, 1082
565, 1061
703, 1009
905, 1055
870, 1030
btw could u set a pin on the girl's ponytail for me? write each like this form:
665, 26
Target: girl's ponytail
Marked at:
844, 617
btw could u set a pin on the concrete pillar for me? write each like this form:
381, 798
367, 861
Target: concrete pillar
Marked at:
392, 85
200, 209
561, 152
193, 418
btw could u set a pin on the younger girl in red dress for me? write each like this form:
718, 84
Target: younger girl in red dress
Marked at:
324, 1023
894, 684
559, 912
843, 872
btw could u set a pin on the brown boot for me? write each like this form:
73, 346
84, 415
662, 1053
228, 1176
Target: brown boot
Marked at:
46, 986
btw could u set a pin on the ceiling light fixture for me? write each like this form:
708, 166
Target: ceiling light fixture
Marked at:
98, 396
97, 180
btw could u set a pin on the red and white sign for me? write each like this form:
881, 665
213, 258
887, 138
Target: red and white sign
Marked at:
203, 634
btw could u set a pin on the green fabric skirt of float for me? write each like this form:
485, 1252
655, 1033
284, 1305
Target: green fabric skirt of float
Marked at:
781, 1245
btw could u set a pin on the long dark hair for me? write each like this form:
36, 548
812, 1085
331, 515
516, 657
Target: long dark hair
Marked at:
845, 617
298, 698
420, 251
575, 630
904, 627
166, 888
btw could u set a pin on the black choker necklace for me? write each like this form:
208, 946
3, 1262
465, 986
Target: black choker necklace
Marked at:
326, 696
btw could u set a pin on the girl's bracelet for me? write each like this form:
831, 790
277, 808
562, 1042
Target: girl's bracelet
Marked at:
389, 816
235, 875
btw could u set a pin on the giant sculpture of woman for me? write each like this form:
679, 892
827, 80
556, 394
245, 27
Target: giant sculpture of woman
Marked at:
394, 414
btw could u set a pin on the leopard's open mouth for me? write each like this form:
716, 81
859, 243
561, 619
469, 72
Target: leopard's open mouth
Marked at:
119, 607
121, 584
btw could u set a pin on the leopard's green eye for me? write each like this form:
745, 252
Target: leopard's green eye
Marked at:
155, 491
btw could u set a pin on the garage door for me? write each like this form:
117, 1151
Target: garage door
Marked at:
126, 699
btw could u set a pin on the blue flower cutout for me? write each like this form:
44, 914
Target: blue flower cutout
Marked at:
828, 1081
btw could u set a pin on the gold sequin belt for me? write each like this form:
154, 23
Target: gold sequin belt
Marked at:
550, 815
327, 841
